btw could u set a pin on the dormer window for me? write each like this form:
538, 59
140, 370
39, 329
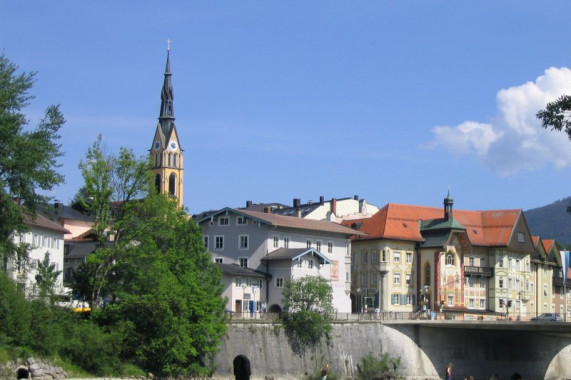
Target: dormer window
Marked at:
450, 259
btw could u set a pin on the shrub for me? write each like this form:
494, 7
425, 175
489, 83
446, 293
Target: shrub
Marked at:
372, 367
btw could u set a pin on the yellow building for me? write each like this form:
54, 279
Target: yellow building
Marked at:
166, 152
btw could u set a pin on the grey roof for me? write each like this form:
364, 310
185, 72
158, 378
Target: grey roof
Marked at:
236, 270
294, 254
80, 250
58, 211
291, 222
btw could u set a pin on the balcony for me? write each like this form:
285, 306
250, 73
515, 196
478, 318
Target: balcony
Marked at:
384, 267
479, 271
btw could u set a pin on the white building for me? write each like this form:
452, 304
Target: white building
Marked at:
44, 238
258, 252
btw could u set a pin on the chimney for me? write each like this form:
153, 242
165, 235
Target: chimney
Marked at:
296, 202
321, 199
248, 204
267, 210
334, 206
356, 197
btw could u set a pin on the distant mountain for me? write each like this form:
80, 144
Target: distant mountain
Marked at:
551, 221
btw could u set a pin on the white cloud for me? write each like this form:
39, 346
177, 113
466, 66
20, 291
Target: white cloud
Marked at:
514, 140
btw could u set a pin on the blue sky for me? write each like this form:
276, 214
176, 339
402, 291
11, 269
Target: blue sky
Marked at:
394, 101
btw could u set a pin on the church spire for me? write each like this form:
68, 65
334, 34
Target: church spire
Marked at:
166, 116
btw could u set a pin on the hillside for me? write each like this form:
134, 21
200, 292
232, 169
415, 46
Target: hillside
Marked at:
551, 221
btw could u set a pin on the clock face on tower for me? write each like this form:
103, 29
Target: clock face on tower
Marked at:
173, 145
157, 145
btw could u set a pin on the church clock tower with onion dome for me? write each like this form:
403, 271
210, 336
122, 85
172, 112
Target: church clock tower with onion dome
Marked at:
166, 152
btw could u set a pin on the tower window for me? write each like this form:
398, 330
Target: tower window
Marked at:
172, 184
175, 159
158, 183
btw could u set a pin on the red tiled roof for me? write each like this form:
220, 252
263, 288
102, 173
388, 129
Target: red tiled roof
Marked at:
548, 244
395, 221
300, 223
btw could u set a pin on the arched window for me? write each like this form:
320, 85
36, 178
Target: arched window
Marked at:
450, 258
427, 274
170, 159
172, 184
175, 159
156, 156
158, 183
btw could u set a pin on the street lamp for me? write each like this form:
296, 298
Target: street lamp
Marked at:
254, 290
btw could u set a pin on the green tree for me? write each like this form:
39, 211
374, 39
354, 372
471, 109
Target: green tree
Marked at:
46, 277
28, 157
111, 184
169, 293
308, 305
557, 116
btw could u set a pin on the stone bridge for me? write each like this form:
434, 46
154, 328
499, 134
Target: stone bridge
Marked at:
535, 350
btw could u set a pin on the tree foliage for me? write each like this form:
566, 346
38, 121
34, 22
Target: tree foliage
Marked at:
371, 367
170, 294
28, 157
308, 304
112, 184
46, 278
557, 115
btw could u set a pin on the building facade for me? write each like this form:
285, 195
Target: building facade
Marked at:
271, 249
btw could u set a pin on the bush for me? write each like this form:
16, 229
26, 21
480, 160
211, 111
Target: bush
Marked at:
372, 367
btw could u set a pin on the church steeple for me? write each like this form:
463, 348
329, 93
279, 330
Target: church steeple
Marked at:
166, 153
166, 115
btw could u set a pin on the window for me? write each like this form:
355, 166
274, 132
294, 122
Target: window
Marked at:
219, 242
310, 263
501, 282
329, 247
205, 241
298, 264
409, 257
219, 260
279, 282
450, 259
397, 257
286, 242
318, 246
472, 303
223, 221
397, 278
482, 282
408, 299
471, 261
482, 261
395, 299
244, 262
510, 263
364, 278
365, 256
276, 241
243, 241
521, 237
427, 274
501, 262
384, 256
374, 257
510, 283
517, 264
408, 278
238, 281
450, 300
472, 282
482, 303
241, 221
308, 244
373, 278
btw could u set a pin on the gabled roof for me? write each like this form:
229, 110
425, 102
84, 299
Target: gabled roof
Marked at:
61, 211
41, 221
294, 254
401, 222
290, 222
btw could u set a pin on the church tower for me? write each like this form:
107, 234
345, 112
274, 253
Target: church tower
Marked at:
166, 153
